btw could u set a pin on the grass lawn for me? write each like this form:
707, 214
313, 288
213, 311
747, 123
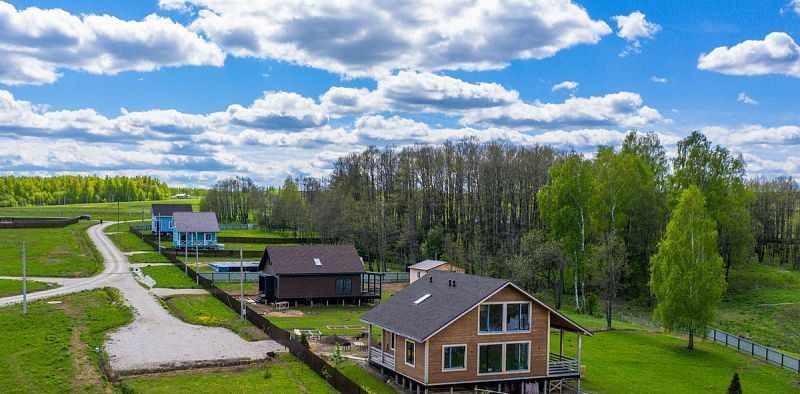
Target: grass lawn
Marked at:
257, 233
51, 252
284, 375
205, 310
128, 242
257, 247
319, 317
364, 379
149, 257
10, 287
763, 303
107, 211
233, 287
170, 277
648, 362
51, 350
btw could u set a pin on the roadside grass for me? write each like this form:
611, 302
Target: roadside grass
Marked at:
128, 242
51, 252
205, 310
170, 277
286, 374
10, 287
52, 349
763, 304
363, 378
651, 362
149, 257
106, 211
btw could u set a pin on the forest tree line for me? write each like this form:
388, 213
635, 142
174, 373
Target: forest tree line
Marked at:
73, 189
554, 221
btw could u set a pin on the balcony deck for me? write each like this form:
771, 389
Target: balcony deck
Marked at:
386, 360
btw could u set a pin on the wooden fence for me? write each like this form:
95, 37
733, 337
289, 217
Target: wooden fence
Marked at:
15, 222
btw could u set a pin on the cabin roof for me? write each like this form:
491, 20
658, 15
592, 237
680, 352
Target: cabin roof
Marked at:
169, 209
427, 265
312, 259
201, 222
444, 304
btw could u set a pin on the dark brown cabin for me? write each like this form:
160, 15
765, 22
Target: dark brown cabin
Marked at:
316, 273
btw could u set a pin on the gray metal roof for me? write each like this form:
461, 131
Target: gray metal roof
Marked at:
427, 265
201, 222
333, 259
445, 304
169, 209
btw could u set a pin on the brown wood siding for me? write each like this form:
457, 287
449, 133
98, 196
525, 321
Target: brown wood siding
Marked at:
313, 286
465, 331
416, 372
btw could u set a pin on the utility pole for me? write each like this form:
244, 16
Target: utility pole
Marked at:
186, 255
24, 283
117, 214
241, 283
196, 264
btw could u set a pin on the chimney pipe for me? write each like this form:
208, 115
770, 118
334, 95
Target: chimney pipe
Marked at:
430, 279
454, 283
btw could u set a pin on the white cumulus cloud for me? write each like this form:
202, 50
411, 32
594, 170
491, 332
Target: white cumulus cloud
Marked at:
566, 85
634, 27
36, 44
744, 98
777, 53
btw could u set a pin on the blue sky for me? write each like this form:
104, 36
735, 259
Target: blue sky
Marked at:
194, 91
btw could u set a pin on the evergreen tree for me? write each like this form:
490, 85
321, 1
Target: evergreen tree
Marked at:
735, 387
687, 276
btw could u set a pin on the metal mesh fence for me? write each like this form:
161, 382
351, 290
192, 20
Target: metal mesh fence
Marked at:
747, 346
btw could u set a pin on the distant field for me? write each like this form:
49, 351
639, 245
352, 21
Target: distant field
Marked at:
205, 310
170, 277
54, 252
51, 350
10, 287
107, 211
286, 374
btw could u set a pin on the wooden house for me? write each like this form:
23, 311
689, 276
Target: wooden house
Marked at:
422, 268
316, 273
451, 330
161, 216
195, 229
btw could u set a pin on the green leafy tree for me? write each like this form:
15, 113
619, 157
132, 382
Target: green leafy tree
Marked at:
686, 275
735, 387
565, 206
607, 263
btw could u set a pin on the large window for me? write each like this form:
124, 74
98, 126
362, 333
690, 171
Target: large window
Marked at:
490, 358
410, 353
516, 356
491, 318
454, 357
518, 317
344, 286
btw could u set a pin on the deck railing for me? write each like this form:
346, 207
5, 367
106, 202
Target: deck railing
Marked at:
380, 357
562, 366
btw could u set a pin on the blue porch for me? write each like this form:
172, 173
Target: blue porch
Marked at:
191, 239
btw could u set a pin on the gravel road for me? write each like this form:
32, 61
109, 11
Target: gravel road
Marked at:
155, 340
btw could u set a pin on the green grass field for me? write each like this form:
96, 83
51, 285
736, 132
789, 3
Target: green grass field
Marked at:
149, 257
205, 310
51, 350
128, 242
51, 252
170, 277
233, 287
257, 232
10, 287
763, 304
107, 211
647, 362
284, 375
363, 378
257, 247
319, 317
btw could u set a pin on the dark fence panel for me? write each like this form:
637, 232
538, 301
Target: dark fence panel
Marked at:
153, 242
268, 241
14, 222
747, 346
317, 364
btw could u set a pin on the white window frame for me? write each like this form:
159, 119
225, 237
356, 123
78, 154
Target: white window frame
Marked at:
414, 352
461, 345
505, 317
502, 360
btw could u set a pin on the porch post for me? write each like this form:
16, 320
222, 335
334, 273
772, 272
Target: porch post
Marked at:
561, 343
383, 353
369, 343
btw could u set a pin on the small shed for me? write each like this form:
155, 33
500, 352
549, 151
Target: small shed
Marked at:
195, 229
422, 268
161, 216
234, 266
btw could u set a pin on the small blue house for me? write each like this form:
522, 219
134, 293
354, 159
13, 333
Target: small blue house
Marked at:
195, 229
161, 216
